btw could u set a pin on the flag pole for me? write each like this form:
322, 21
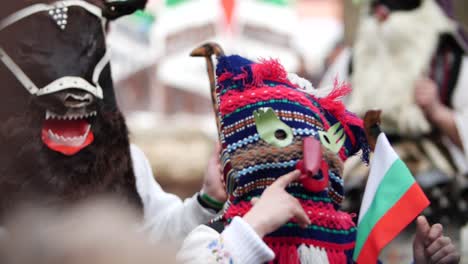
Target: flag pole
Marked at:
372, 127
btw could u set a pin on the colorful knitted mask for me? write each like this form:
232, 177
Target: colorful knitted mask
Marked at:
268, 127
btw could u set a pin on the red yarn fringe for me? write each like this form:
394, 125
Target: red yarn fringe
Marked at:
225, 76
333, 104
269, 69
336, 257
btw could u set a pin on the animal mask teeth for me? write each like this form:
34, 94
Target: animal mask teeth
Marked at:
51, 115
77, 140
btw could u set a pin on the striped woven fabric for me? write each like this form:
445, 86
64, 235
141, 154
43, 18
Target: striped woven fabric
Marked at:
264, 119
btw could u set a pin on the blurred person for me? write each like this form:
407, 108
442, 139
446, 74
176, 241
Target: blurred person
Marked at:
410, 60
101, 231
63, 136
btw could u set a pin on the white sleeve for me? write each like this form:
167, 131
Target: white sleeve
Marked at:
166, 216
460, 105
238, 244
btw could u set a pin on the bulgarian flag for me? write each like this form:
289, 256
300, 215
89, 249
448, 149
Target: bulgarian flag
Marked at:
392, 199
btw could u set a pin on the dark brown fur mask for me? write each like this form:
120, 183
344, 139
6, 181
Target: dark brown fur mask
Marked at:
88, 152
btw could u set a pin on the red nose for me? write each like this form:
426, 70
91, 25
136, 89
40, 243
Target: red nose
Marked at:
311, 164
382, 13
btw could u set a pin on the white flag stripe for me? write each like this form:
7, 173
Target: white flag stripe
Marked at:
383, 159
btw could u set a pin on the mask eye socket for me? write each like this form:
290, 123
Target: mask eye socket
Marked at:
280, 134
271, 129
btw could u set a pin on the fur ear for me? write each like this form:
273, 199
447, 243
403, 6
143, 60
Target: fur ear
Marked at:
117, 8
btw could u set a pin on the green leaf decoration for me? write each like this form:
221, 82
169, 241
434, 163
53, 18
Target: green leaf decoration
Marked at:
271, 129
333, 139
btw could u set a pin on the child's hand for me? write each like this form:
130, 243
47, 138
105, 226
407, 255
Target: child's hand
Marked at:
213, 184
431, 246
276, 207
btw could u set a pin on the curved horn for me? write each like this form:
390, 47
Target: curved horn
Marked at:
372, 128
207, 51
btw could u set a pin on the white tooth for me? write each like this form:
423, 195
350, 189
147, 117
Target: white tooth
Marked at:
47, 115
55, 136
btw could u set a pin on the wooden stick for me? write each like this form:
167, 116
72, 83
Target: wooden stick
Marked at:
207, 50
372, 127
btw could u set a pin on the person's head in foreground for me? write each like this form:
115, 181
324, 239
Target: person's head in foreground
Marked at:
95, 232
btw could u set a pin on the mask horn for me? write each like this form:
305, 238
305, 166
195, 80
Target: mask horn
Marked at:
118, 8
207, 51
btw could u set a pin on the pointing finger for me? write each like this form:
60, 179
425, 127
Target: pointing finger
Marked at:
285, 180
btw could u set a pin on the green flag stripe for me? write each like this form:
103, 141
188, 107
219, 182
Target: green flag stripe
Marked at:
395, 183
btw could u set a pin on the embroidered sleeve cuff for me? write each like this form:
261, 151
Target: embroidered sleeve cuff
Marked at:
244, 245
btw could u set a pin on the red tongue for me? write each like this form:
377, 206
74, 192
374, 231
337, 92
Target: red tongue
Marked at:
66, 129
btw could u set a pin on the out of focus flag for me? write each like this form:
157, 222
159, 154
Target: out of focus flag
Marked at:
392, 199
